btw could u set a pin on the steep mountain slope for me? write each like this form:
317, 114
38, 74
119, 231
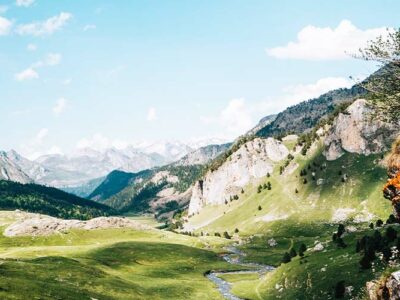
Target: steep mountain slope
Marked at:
303, 200
261, 124
115, 182
162, 191
202, 155
50, 201
11, 171
254, 159
352, 133
34, 170
305, 115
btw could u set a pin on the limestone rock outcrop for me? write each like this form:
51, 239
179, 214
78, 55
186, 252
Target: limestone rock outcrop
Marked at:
357, 131
388, 289
252, 160
41, 225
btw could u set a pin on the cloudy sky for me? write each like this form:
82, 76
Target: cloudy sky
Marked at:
114, 72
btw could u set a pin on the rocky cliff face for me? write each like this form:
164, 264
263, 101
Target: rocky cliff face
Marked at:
357, 131
11, 171
253, 160
388, 289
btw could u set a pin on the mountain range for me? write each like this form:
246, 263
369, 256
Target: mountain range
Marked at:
86, 166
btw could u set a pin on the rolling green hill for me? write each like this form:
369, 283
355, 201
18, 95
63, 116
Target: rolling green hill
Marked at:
137, 194
51, 201
115, 182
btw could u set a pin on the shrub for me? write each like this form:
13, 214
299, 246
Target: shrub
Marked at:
259, 207
340, 289
292, 252
226, 235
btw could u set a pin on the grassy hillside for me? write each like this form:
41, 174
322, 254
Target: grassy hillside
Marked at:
316, 201
108, 264
304, 208
50, 201
128, 192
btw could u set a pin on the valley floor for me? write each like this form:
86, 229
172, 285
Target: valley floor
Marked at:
108, 264
154, 264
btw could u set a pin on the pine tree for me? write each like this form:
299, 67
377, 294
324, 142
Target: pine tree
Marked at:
365, 262
391, 234
286, 258
226, 235
341, 230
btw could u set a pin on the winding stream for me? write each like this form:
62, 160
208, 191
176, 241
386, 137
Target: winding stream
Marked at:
234, 257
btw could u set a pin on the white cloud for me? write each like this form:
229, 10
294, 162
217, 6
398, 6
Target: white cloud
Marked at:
50, 60
26, 74
61, 105
31, 47
41, 135
46, 27
37, 147
99, 142
235, 119
67, 81
89, 27
302, 92
294, 94
24, 3
323, 43
240, 115
32, 154
5, 26
3, 9
151, 114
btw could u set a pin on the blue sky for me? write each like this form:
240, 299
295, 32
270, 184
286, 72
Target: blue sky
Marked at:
109, 73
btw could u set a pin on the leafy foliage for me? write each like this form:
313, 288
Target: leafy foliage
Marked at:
384, 86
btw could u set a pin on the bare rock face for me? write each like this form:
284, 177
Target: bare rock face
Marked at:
40, 225
389, 289
356, 131
253, 160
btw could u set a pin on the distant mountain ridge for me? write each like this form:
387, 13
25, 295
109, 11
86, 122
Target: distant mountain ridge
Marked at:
80, 171
304, 116
161, 190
